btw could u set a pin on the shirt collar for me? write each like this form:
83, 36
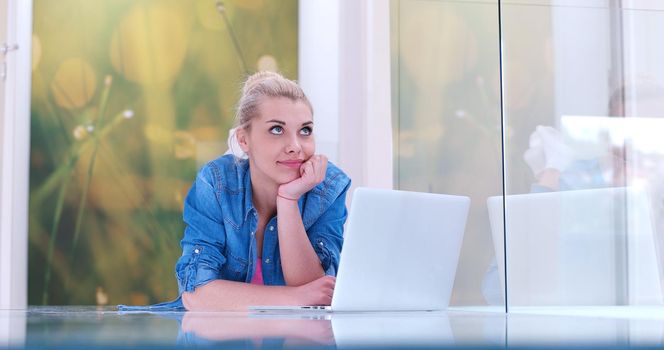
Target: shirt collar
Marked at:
248, 199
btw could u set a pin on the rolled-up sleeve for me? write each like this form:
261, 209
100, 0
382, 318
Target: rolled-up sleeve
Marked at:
326, 234
204, 236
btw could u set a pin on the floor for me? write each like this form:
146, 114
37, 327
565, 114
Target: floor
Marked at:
88, 326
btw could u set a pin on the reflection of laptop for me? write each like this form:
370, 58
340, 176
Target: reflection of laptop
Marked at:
392, 330
400, 252
366, 329
585, 247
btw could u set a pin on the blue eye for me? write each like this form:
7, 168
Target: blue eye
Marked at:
276, 130
306, 131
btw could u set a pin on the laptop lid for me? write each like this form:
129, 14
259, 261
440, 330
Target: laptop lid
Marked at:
400, 251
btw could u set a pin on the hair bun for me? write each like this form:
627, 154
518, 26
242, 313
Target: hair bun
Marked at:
257, 78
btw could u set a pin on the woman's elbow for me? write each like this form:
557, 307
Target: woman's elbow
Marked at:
189, 300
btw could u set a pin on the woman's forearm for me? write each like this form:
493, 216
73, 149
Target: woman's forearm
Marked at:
222, 295
299, 261
221, 327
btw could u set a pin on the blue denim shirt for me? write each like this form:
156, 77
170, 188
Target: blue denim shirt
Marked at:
580, 175
219, 239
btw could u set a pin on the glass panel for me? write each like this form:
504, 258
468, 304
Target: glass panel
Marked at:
447, 126
129, 99
584, 101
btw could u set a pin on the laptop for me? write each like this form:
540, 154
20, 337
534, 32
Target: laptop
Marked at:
585, 247
400, 252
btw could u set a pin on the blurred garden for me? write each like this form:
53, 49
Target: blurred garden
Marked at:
129, 99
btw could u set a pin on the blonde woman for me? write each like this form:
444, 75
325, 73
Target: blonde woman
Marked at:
266, 228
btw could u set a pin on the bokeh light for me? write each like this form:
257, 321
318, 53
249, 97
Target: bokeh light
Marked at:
74, 83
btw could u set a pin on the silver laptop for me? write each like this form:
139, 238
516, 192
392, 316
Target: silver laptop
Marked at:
400, 252
584, 247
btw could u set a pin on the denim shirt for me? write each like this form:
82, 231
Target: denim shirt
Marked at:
580, 175
219, 239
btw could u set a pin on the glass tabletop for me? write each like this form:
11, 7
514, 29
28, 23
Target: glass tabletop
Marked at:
89, 326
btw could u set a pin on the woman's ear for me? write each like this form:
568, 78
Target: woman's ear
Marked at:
243, 139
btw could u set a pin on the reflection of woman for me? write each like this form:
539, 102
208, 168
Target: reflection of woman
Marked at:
197, 328
266, 230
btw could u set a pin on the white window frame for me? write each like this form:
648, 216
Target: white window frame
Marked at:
14, 161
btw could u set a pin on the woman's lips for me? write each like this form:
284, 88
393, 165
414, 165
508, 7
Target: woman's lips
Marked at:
293, 164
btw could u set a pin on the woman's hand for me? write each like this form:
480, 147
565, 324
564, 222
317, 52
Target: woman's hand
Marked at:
312, 172
316, 292
547, 150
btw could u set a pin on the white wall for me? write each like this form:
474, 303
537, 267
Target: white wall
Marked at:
319, 70
581, 44
345, 69
643, 52
14, 163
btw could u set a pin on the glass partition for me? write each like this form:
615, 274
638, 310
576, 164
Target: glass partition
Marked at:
446, 95
582, 104
584, 101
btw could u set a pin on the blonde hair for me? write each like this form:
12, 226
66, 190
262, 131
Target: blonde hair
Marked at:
255, 90
262, 85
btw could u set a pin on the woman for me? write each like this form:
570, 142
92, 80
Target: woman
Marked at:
265, 230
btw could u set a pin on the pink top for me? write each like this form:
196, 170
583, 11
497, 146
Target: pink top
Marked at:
258, 274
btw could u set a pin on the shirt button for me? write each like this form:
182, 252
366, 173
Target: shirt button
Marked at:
196, 251
271, 228
321, 244
267, 261
252, 233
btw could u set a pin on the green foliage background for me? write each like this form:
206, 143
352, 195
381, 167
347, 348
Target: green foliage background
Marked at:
129, 98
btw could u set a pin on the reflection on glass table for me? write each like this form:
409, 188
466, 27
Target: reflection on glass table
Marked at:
342, 329
205, 327
86, 327
62, 326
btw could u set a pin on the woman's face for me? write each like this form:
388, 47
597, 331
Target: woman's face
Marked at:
279, 140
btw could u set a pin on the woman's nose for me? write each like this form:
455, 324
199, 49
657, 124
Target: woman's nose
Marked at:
293, 145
